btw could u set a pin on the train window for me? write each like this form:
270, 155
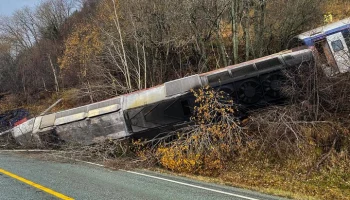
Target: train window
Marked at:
346, 35
219, 77
266, 64
337, 45
243, 71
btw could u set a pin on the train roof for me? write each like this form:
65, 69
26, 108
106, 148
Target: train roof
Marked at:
257, 60
324, 31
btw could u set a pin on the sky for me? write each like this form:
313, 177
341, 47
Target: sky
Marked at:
8, 7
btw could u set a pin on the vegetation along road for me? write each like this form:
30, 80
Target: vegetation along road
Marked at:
28, 178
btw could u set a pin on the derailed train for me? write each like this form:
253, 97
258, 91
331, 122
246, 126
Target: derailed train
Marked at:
168, 106
161, 108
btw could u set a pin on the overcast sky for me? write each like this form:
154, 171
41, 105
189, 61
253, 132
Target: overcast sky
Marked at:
7, 7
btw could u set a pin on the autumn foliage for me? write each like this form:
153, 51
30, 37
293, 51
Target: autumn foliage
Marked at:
89, 50
213, 141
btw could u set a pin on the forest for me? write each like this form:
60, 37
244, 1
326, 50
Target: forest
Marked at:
95, 49
83, 51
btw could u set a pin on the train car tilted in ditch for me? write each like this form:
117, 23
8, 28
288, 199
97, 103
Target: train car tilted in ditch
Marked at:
168, 106
162, 108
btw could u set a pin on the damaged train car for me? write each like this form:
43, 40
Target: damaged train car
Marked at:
162, 108
169, 106
331, 46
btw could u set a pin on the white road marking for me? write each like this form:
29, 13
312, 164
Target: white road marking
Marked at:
168, 180
91, 163
39, 150
77, 160
190, 185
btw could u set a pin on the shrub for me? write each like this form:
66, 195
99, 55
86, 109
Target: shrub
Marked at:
213, 140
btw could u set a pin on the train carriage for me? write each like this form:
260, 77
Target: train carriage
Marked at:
331, 45
163, 108
169, 106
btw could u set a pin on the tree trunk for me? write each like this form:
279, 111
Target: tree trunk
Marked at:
54, 73
234, 21
222, 48
260, 27
145, 64
246, 30
124, 59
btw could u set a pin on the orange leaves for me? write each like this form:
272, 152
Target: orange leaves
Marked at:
213, 140
81, 47
174, 159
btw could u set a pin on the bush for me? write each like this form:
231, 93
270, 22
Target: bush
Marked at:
214, 139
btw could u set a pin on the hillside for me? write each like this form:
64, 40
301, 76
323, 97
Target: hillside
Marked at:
85, 51
91, 50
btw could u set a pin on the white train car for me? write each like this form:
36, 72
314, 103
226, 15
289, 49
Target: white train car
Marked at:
331, 45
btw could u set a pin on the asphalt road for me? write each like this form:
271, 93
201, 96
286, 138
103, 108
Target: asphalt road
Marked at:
28, 178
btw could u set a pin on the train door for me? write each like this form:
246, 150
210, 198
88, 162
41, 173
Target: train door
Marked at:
340, 51
325, 56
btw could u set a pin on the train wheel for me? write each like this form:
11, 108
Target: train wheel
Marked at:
273, 84
250, 92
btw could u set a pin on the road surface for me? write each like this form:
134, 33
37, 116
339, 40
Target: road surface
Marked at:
28, 178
